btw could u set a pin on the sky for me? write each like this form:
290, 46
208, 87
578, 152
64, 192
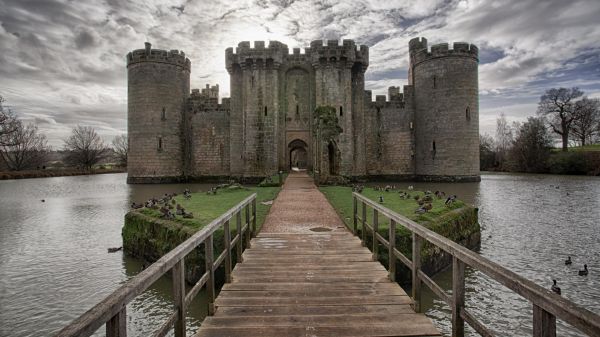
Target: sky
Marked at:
62, 62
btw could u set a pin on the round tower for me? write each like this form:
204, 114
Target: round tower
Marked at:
446, 110
158, 84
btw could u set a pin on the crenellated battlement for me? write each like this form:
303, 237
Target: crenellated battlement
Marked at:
333, 51
148, 54
419, 51
394, 97
259, 54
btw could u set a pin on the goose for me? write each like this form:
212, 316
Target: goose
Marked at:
568, 261
381, 199
583, 272
113, 250
555, 288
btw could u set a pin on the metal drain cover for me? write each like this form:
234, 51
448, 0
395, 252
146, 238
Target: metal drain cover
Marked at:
320, 229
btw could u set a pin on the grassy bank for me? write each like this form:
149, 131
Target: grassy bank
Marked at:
55, 173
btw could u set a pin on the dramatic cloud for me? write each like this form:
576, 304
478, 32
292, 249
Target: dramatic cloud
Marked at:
62, 61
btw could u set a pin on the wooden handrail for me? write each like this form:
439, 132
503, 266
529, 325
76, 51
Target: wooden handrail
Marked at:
547, 305
111, 310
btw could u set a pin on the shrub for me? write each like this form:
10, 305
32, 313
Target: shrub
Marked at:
567, 163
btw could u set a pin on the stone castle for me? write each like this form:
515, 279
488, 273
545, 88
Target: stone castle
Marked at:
429, 131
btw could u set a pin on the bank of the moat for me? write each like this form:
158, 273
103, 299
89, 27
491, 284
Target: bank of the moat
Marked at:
456, 221
147, 236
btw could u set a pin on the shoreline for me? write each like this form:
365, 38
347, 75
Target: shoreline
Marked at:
31, 174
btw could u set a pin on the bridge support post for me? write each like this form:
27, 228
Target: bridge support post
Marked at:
458, 297
227, 239
544, 323
363, 229
392, 246
375, 232
238, 227
117, 325
254, 218
354, 214
416, 262
248, 226
178, 274
210, 283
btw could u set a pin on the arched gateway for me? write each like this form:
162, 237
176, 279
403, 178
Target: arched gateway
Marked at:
298, 154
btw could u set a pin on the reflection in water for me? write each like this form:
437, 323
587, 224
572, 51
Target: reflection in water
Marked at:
54, 263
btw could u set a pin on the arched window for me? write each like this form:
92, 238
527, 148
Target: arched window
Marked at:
160, 143
468, 113
265, 110
163, 114
433, 146
297, 109
341, 111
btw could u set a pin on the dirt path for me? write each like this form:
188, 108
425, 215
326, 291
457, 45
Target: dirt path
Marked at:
299, 207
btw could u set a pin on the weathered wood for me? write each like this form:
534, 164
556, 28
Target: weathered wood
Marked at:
117, 325
249, 226
354, 215
458, 297
391, 247
210, 283
253, 217
375, 231
101, 313
475, 324
363, 228
544, 323
405, 260
437, 290
240, 237
580, 318
178, 275
416, 262
227, 248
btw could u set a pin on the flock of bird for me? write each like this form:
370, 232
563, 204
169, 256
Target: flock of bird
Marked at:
168, 207
584, 272
425, 201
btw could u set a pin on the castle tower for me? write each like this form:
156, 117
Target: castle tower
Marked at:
158, 85
447, 110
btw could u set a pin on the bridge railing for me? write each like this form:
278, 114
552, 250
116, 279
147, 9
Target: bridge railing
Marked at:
547, 306
112, 310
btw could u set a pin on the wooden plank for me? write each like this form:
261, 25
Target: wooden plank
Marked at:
363, 229
354, 215
311, 310
305, 286
544, 323
178, 275
316, 278
458, 297
240, 236
227, 248
117, 325
291, 251
416, 262
314, 293
375, 232
312, 267
391, 247
210, 283
335, 300
423, 329
437, 290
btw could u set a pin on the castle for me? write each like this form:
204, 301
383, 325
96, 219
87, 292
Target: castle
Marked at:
429, 131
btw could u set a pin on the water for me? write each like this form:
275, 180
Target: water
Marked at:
54, 265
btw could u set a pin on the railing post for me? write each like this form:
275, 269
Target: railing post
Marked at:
248, 226
544, 323
458, 297
227, 241
391, 256
364, 228
375, 230
210, 283
354, 214
254, 217
178, 273
416, 262
238, 226
117, 325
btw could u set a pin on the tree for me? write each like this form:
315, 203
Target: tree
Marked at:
84, 147
504, 139
587, 119
8, 124
25, 147
121, 146
487, 156
531, 147
558, 106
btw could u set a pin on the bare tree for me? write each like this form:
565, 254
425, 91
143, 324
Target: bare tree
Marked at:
558, 106
84, 147
8, 124
587, 119
28, 148
504, 139
120, 146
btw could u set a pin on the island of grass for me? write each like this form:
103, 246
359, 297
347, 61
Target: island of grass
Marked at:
456, 221
147, 235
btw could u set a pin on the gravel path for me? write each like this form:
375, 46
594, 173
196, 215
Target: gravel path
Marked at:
299, 207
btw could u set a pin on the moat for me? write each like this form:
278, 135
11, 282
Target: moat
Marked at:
53, 253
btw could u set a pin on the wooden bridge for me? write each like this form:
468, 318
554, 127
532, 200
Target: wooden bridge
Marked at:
298, 282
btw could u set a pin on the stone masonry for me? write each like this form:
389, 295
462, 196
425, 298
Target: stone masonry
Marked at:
428, 131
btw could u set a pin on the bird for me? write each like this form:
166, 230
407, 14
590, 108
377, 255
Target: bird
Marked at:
116, 249
568, 261
43, 200
555, 288
583, 272
381, 199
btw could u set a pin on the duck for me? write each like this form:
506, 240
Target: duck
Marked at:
555, 288
583, 272
116, 249
381, 199
568, 261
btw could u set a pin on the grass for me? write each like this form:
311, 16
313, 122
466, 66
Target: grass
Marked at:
341, 199
587, 148
206, 207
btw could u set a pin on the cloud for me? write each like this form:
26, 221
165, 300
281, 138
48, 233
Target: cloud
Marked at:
62, 62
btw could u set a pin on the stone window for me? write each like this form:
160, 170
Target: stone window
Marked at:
433, 149
434, 82
265, 110
163, 114
341, 111
160, 143
297, 109
468, 113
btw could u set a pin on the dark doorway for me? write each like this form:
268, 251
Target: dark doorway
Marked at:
333, 162
298, 154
